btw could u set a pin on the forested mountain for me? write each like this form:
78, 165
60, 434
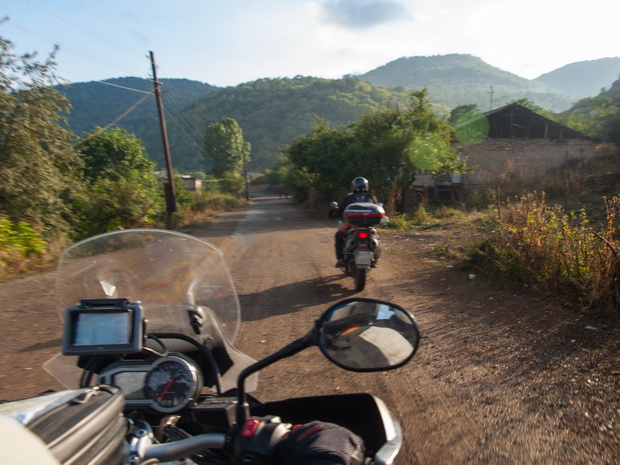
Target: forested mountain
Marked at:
271, 113
101, 103
584, 78
459, 79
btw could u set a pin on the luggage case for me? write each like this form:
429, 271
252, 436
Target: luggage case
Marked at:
82, 426
364, 214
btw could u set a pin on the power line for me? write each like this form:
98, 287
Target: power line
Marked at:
66, 47
87, 31
124, 87
188, 124
113, 122
81, 141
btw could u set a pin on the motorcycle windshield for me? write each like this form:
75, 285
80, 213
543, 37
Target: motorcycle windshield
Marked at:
167, 272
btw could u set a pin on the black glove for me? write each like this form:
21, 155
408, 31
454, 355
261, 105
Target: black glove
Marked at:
319, 443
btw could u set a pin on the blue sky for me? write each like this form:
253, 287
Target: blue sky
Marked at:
227, 42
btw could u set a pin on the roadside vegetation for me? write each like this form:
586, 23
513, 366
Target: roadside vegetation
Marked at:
560, 245
57, 187
557, 251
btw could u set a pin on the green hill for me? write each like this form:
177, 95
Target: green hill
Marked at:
101, 103
584, 78
459, 79
271, 113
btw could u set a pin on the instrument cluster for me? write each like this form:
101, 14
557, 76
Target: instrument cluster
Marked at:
167, 385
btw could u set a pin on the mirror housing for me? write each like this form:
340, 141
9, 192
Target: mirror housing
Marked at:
367, 335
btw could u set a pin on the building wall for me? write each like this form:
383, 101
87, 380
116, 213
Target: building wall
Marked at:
524, 157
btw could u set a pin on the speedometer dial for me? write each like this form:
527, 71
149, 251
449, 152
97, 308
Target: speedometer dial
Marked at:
172, 384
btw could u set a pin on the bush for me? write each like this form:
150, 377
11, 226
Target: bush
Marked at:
558, 251
114, 205
20, 247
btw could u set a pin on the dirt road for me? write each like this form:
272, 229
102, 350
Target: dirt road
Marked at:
502, 377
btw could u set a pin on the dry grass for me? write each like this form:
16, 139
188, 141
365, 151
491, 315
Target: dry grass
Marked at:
557, 251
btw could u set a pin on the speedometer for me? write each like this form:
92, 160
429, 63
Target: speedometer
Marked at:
172, 384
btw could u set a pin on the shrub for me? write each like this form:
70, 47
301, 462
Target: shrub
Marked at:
557, 251
20, 247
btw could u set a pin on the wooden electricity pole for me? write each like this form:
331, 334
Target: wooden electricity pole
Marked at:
171, 205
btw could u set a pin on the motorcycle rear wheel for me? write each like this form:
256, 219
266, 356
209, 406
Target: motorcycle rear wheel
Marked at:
359, 277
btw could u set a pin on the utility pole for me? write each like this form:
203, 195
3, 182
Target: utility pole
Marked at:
245, 171
171, 205
491, 97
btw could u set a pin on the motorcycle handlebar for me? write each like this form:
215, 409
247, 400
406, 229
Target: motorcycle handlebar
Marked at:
185, 447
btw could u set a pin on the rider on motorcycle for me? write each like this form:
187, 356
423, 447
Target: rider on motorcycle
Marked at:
359, 193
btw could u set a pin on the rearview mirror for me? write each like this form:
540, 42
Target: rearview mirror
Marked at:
368, 335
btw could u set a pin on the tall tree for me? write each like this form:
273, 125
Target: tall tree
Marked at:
39, 169
225, 147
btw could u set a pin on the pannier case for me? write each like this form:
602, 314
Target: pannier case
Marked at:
82, 426
364, 213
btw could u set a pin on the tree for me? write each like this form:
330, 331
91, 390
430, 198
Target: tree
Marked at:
116, 155
597, 117
123, 188
39, 168
388, 146
225, 146
461, 111
531, 105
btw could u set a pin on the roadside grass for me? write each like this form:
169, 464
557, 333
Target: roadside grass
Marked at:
23, 251
533, 242
557, 251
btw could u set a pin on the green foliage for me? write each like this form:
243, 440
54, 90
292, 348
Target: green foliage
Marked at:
388, 146
399, 221
470, 126
112, 205
20, 246
597, 117
117, 155
460, 111
20, 237
232, 184
100, 103
225, 147
39, 169
123, 189
531, 105
272, 112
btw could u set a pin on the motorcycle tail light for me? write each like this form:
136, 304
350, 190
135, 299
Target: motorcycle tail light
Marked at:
363, 235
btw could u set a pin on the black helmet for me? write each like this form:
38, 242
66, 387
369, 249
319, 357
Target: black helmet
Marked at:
359, 185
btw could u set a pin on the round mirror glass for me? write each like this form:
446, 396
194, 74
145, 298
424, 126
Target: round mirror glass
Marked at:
368, 335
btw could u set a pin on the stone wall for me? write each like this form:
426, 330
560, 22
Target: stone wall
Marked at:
495, 158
